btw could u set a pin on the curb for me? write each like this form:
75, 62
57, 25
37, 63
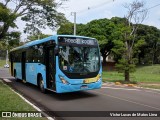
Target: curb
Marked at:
129, 85
120, 84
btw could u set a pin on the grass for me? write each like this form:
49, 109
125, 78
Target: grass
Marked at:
143, 74
147, 74
2, 63
112, 76
9, 101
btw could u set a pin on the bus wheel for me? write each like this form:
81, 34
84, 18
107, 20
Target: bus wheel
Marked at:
41, 85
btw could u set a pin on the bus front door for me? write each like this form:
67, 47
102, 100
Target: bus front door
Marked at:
50, 68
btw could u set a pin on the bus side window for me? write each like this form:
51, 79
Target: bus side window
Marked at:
35, 54
17, 57
40, 54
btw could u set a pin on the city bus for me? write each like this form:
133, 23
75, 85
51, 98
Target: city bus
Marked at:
59, 63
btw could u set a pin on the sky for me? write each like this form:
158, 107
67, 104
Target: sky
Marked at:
88, 10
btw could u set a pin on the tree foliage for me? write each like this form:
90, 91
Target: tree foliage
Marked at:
129, 42
150, 52
66, 29
10, 41
37, 36
36, 13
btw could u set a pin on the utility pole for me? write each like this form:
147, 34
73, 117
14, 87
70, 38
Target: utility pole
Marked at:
74, 14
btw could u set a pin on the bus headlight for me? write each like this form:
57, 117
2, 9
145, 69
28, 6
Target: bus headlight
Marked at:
98, 77
63, 80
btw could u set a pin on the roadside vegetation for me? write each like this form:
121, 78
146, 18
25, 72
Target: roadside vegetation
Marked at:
145, 76
12, 102
2, 63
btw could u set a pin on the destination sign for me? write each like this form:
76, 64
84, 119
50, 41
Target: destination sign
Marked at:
76, 41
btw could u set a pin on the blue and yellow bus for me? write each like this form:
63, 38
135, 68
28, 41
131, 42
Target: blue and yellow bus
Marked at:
60, 63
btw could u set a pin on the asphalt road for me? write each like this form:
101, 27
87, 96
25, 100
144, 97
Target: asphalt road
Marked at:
109, 98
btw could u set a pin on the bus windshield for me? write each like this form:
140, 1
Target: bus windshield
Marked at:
79, 59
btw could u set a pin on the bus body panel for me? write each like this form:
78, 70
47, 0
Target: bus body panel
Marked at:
17, 68
32, 71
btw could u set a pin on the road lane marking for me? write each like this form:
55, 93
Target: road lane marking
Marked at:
27, 101
7, 80
121, 88
128, 100
152, 91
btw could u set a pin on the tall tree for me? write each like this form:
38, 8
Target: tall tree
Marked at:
36, 13
129, 44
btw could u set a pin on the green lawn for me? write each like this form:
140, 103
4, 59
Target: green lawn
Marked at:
9, 101
143, 74
2, 63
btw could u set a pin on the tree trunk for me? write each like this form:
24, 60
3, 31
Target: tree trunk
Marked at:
127, 76
104, 59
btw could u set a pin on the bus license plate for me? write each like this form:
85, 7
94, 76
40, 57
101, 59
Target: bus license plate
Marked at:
84, 86
90, 80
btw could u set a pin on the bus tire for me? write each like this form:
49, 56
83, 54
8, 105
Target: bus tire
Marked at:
41, 84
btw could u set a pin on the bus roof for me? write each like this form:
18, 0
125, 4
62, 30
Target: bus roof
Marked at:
35, 42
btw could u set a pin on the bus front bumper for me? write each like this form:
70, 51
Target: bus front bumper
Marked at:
63, 88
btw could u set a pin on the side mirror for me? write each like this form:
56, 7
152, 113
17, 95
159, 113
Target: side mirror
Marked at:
56, 50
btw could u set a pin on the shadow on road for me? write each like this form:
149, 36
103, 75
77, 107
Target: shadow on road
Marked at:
71, 96
58, 96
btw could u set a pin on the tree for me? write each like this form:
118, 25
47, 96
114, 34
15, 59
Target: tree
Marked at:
150, 52
66, 29
36, 13
102, 30
128, 45
37, 36
10, 41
